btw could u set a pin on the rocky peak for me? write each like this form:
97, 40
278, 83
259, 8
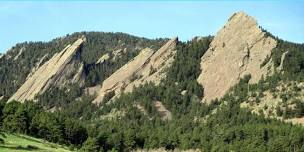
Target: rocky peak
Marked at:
147, 66
239, 48
55, 71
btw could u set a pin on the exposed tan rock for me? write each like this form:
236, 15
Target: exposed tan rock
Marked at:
7, 56
154, 69
79, 77
54, 109
36, 66
117, 53
280, 68
299, 121
1, 55
270, 101
123, 75
92, 90
103, 58
163, 111
55, 71
184, 92
139, 107
238, 49
20, 52
267, 105
114, 115
148, 66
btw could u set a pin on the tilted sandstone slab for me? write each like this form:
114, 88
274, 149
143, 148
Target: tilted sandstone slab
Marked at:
148, 66
54, 71
123, 75
238, 49
154, 70
20, 52
92, 90
280, 68
103, 58
117, 53
37, 65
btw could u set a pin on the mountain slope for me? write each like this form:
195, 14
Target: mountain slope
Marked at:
156, 88
14, 73
146, 67
238, 49
51, 73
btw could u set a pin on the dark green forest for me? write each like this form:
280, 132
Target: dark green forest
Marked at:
194, 125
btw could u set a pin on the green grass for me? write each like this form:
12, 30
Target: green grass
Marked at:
23, 143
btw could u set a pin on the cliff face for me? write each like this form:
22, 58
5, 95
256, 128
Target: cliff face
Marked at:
62, 68
239, 48
148, 66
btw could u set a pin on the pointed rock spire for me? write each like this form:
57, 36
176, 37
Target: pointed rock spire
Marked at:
238, 49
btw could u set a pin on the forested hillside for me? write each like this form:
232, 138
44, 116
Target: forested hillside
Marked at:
219, 126
266, 115
23, 58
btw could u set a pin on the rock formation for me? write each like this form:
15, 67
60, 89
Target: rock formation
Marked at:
162, 110
280, 68
103, 58
56, 71
147, 66
117, 53
92, 90
37, 65
19, 53
239, 48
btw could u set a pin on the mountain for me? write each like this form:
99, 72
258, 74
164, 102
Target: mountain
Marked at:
26, 58
229, 59
147, 66
239, 90
56, 71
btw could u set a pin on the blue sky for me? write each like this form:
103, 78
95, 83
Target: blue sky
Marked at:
43, 21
